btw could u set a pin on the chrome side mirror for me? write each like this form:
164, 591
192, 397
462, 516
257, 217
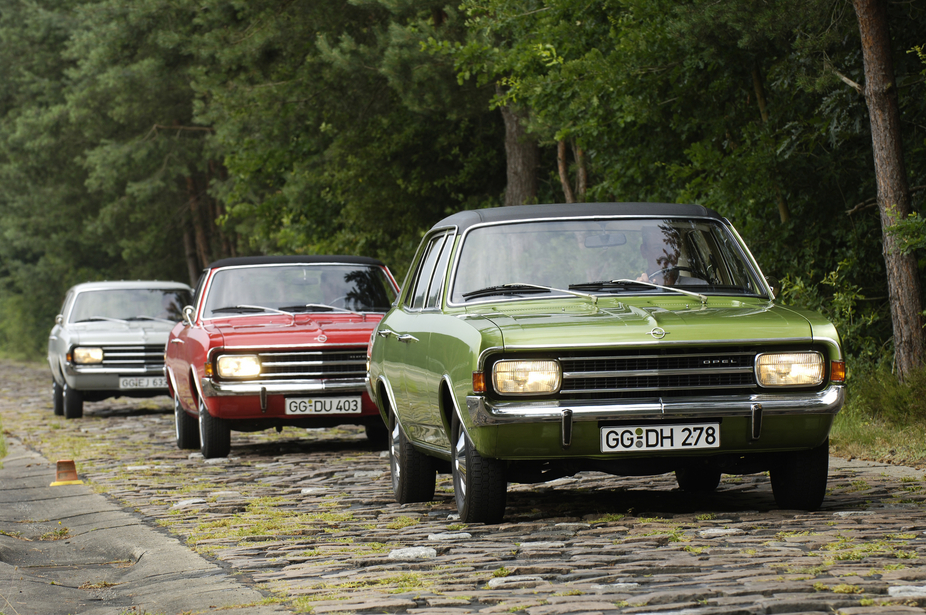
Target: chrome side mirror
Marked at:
188, 313
59, 319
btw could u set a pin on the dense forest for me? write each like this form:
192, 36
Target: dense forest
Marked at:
141, 139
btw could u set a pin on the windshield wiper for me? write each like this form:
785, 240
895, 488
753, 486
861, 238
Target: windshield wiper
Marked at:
102, 319
249, 308
520, 288
151, 318
317, 307
607, 284
622, 283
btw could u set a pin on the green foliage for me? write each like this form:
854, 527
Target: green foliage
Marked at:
141, 138
842, 302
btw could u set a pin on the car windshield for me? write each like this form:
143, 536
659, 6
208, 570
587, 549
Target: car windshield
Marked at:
298, 288
129, 304
603, 256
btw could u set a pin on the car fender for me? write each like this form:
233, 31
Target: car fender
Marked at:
385, 387
171, 381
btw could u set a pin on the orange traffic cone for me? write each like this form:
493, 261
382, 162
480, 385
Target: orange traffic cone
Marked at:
66, 474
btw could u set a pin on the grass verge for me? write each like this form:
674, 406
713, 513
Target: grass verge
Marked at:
883, 420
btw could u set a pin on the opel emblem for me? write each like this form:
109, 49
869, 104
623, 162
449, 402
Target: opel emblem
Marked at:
321, 338
658, 333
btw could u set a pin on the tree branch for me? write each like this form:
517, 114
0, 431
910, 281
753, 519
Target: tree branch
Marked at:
873, 201
858, 88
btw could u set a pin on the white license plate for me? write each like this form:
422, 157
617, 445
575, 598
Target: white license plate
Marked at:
323, 405
143, 382
638, 438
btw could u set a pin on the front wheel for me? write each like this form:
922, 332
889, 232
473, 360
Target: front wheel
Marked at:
799, 478
186, 428
214, 434
413, 473
479, 483
73, 402
57, 395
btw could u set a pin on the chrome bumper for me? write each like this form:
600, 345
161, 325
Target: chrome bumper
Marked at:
275, 387
827, 401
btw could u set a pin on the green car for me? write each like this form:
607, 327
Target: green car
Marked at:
531, 343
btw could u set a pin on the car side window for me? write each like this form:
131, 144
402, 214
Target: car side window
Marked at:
440, 272
416, 297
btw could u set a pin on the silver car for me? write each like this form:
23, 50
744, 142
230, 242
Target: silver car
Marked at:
108, 341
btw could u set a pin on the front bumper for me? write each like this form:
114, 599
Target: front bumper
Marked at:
89, 378
212, 388
826, 401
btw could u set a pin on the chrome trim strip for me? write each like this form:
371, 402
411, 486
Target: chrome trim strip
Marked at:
295, 347
153, 370
827, 401
480, 364
211, 388
630, 373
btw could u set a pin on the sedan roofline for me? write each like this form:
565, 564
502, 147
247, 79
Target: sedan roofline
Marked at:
239, 261
525, 213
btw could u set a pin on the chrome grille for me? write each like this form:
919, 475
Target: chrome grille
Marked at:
660, 372
147, 357
324, 363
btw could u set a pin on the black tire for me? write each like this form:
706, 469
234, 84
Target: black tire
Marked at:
214, 434
799, 478
186, 428
73, 402
698, 479
479, 484
414, 474
378, 435
57, 395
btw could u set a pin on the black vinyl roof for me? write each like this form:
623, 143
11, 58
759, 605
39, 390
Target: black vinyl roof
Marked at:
295, 260
466, 219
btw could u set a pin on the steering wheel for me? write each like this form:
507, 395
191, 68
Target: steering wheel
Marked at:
663, 272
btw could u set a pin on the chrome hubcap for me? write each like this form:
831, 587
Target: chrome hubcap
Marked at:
394, 452
459, 462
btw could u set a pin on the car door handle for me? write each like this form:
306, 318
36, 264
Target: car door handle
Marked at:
385, 332
176, 341
406, 338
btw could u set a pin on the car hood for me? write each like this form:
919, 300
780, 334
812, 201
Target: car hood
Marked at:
286, 331
131, 332
564, 325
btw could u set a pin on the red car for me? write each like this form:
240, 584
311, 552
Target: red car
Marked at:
274, 341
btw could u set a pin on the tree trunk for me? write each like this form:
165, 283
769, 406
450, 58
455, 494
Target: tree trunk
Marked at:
523, 157
784, 214
199, 224
581, 173
189, 250
893, 190
563, 168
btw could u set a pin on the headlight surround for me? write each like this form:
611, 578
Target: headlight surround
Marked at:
87, 355
790, 369
237, 366
519, 377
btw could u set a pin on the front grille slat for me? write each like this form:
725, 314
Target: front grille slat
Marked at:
149, 356
669, 372
322, 364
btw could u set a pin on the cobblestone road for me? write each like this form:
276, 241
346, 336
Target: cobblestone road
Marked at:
308, 517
